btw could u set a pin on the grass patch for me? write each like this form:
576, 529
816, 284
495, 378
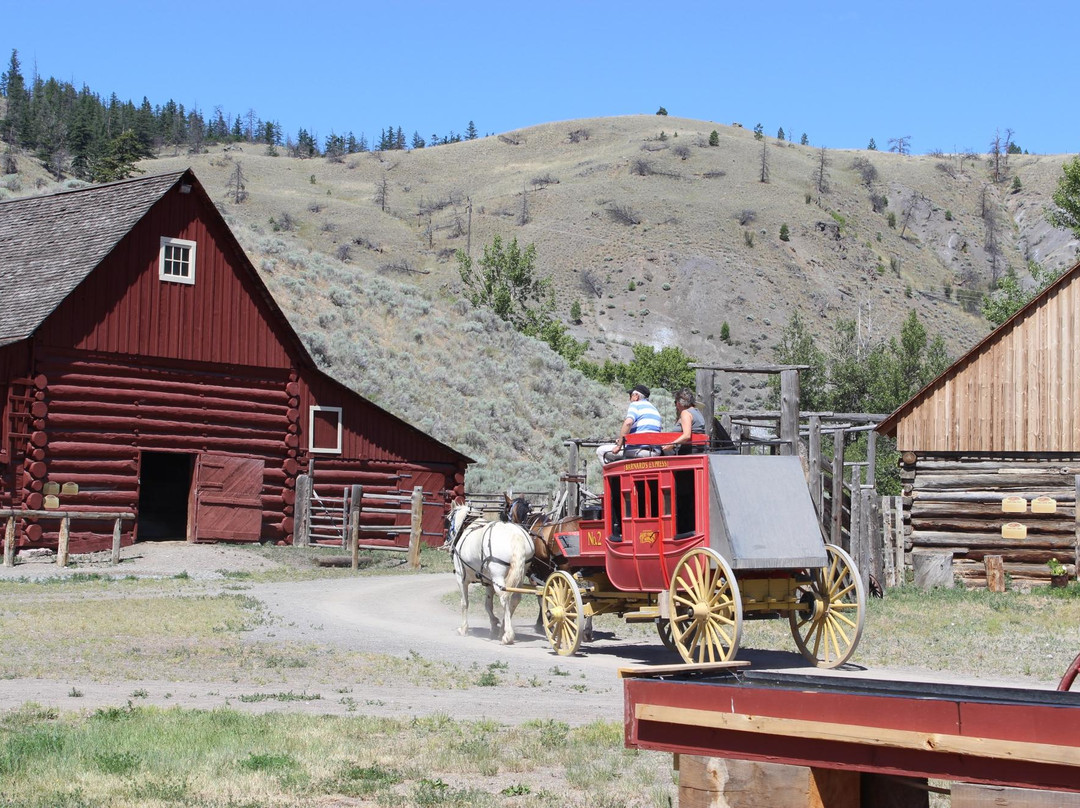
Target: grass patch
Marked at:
179, 757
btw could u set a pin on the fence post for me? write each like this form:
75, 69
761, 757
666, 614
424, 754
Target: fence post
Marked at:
62, 544
837, 488
573, 495
871, 459
898, 537
355, 497
9, 543
116, 541
1076, 508
814, 446
417, 526
302, 536
789, 412
855, 533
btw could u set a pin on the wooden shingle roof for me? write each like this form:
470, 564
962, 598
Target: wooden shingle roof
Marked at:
49, 244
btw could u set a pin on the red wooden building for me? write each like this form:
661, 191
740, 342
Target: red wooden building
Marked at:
143, 359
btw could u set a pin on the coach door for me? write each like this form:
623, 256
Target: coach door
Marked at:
227, 498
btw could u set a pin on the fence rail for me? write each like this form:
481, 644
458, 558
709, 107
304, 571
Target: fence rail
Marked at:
65, 517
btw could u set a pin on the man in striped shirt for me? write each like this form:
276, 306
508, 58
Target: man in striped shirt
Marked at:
641, 416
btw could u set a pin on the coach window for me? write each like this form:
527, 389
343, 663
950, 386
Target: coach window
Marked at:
685, 502
324, 430
176, 260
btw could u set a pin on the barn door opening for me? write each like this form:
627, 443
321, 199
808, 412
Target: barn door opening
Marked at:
228, 498
164, 494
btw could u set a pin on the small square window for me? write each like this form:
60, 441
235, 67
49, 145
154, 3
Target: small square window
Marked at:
176, 261
324, 430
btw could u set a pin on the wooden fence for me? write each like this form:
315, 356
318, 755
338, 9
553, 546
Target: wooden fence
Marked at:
339, 521
65, 517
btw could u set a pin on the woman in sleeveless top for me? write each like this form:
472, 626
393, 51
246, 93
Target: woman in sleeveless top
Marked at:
691, 422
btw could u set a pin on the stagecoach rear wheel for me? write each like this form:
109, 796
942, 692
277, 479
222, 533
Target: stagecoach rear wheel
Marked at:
563, 613
663, 628
706, 609
828, 629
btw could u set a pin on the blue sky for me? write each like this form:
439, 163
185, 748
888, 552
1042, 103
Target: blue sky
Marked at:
948, 74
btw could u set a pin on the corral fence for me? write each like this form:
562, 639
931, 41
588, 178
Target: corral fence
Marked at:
361, 520
14, 515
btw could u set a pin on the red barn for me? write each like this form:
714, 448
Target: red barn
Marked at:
143, 359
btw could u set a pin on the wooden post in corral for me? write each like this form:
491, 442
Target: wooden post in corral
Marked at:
871, 459
814, 450
63, 542
875, 534
836, 529
789, 411
9, 542
705, 381
302, 535
855, 547
417, 525
356, 495
573, 495
116, 541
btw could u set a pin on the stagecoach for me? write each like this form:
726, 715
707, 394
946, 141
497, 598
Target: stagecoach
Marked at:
698, 544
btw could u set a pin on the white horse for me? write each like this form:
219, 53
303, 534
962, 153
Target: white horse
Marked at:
495, 554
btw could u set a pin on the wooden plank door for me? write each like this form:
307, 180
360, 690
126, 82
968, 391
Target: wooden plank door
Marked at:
228, 498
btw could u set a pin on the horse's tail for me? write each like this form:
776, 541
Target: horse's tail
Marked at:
520, 556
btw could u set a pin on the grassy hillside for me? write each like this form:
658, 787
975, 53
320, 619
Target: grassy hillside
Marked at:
661, 237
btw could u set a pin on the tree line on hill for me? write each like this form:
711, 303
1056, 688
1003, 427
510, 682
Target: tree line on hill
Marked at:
78, 132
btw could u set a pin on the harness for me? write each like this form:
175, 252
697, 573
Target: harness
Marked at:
486, 558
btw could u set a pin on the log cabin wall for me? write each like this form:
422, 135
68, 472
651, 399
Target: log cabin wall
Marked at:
104, 414
954, 503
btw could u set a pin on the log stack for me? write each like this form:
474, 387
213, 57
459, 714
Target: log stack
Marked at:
957, 505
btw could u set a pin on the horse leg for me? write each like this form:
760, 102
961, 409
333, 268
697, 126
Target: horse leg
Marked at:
539, 613
463, 630
509, 603
489, 605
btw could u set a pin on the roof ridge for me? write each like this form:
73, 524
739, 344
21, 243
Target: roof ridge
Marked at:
90, 187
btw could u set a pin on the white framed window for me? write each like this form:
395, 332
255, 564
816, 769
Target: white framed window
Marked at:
324, 430
176, 261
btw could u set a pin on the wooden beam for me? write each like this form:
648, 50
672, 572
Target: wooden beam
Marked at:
943, 743
355, 503
417, 527
972, 795
9, 542
62, 543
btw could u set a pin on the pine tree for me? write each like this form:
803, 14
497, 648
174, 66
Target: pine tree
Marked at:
759, 132
470, 131
714, 138
780, 133
417, 141
804, 140
871, 146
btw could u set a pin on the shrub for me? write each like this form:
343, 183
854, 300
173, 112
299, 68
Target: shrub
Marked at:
784, 233
575, 311
748, 238
714, 138
948, 215
725, 332
892, 220
1016, 184
746, 216
632, 286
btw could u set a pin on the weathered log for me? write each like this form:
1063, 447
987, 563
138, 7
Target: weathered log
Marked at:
966, 482
1065, 465
988, 496
921, 508
76, 400
932, 569
928, 539
976, 525
139, 380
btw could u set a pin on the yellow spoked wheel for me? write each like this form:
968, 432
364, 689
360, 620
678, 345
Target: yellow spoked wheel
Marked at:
563, 613
828, 628
706, 609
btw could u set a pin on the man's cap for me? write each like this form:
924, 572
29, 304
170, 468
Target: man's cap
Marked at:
640, 388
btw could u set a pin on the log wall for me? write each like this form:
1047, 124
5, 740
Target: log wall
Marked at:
954, 504
98, 414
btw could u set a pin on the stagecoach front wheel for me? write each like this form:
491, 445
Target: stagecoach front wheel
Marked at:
828, 626
563, 613
706, 608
